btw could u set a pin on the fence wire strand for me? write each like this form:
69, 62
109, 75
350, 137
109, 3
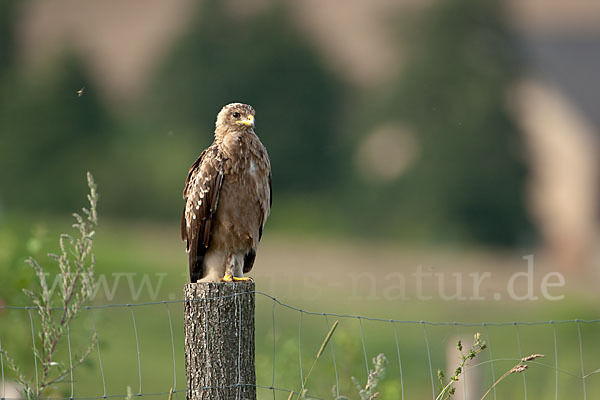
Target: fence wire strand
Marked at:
523, 374
2, 370
274, 346
581, 359
173, 349
399, 358
99, 355
491, 359
137, 346
300, 350
555, 364
429, 359
362, 340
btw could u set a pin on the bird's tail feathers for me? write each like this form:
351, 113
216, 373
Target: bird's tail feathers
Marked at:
195, 262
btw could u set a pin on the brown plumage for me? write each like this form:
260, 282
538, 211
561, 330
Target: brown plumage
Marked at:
227, 199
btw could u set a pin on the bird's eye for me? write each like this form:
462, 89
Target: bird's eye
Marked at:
236, 115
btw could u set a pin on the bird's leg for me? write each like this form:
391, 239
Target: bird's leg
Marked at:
238, 273
229, 265
233, 271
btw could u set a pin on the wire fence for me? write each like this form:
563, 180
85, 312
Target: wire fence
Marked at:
141, 345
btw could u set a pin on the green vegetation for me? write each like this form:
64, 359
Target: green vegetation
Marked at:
76, 287
448, 389
374, 379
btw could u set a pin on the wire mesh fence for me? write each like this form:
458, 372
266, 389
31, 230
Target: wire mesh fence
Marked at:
141, 346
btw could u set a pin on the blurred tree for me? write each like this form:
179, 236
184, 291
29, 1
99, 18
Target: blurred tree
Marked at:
50, 137
256, 57
469, 180
8, 11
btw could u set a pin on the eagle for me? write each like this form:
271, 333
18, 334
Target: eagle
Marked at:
227, 199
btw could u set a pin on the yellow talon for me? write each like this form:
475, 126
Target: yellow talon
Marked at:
244, 279
227, 278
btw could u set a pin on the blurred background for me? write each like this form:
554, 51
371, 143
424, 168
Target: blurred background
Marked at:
458, 136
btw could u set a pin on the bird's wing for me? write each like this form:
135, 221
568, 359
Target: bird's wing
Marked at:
265, 207
201, 195
270, 190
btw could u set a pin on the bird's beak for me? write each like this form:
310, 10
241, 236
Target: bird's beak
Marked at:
248, 122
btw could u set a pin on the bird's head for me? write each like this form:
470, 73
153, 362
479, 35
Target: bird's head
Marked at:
236, 116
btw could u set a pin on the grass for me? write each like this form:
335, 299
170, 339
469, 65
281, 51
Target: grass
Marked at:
311, 275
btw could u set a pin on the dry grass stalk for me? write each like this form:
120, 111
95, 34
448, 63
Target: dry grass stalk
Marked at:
518, 368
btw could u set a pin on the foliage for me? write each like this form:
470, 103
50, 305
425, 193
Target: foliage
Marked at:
375, 376
447, 389
76, 262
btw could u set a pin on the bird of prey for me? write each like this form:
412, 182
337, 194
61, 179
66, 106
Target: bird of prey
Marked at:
227, 199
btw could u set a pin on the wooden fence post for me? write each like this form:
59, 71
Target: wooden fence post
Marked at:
219, 341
